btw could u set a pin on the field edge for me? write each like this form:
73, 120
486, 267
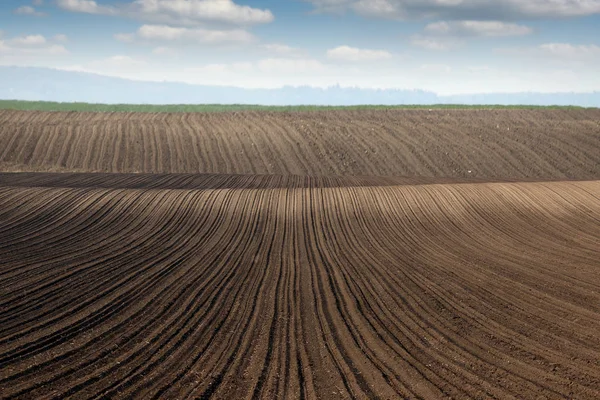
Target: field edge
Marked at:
25, 105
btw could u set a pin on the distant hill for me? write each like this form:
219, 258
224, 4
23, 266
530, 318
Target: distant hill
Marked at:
45, 84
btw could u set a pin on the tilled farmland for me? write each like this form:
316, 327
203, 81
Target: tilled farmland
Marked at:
501, 144
350, 254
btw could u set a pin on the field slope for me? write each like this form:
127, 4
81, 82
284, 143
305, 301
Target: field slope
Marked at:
228, 270
503, 143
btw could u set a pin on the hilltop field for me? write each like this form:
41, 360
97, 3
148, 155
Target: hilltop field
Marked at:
393, 253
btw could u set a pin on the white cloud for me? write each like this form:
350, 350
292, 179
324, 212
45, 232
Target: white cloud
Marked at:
60, 37
38, 2
563, 53
331, 5
176, 12
204, 10
282, 49
436, 43
477, 28
570, 51
125, 37
165, 33
436, 68
212, 69
378, 8
269, 72
557, 8
30, 40
439, 76
156, 34
121, 66
28, 10
162, 50
54, 49
461, 9
290, 65
25, 49
272, 73
169, 33
85, 6
122, 61
353, 54
448, 35
12, 54
479, 68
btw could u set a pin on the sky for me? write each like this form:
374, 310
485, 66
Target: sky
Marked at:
444, 46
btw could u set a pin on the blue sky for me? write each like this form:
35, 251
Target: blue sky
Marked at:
447, 46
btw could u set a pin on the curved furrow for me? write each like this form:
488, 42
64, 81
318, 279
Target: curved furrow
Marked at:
166, 275
374, 310
465, 285
352, 315
113, 225
62, 334
140, 314
409, 338
103, 225
214, 314
361, 288
501, 144
153, 340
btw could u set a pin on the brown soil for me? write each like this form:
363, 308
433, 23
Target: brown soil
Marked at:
501, 144
436, 285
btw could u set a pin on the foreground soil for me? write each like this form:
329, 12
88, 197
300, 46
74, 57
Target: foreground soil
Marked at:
501, 144
289, 287
401, 254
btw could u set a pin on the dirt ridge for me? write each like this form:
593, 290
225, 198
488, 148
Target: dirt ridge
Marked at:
465, 290
349, 254
481, 144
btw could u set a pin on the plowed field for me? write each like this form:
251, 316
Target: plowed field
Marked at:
517, 144
409, 277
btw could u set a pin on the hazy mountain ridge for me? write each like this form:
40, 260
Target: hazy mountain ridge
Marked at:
45, 84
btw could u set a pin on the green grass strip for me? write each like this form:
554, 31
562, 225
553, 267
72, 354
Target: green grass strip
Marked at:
181, 108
